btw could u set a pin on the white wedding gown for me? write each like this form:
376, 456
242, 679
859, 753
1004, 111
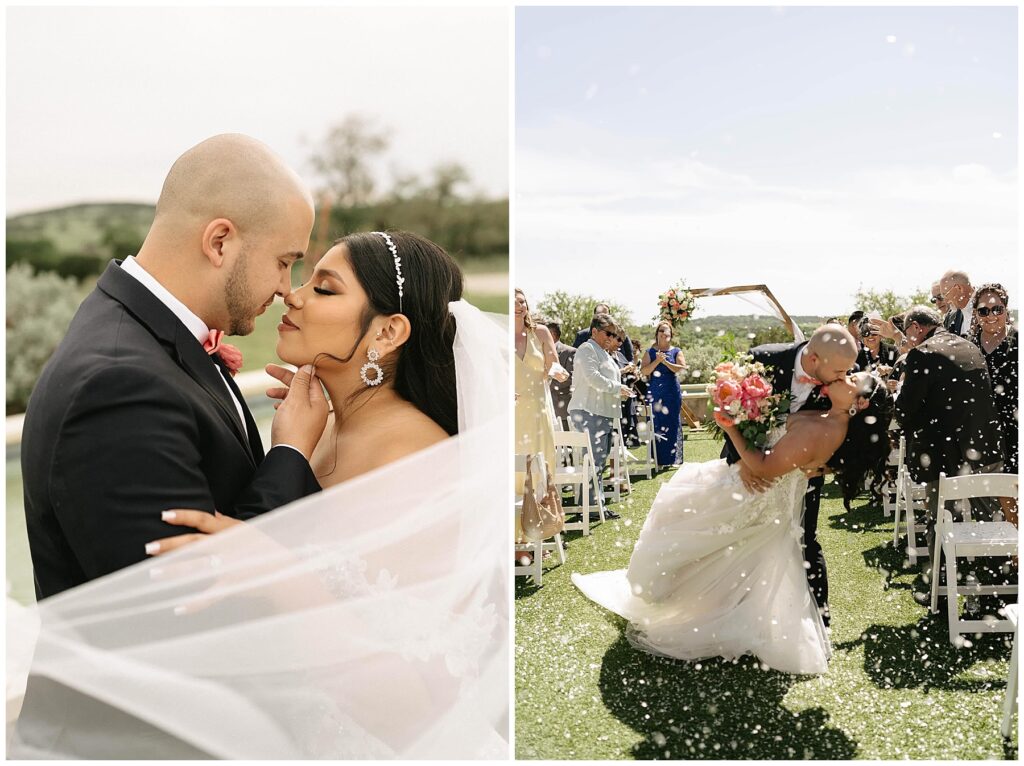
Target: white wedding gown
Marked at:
367, 621
719, 572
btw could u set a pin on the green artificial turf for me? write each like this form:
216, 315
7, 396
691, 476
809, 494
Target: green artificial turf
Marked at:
896, 687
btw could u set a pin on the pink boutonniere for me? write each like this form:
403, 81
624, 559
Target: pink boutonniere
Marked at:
229, 354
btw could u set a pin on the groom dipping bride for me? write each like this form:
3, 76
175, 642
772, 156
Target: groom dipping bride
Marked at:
718, 569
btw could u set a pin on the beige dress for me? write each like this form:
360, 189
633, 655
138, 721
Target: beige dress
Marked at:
535, 415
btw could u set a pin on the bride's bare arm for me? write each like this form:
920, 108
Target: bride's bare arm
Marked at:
807, 445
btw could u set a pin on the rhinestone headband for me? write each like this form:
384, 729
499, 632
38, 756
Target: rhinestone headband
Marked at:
399, 279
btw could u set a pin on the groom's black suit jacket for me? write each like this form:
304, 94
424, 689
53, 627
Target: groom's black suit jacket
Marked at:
781, 360
130, 418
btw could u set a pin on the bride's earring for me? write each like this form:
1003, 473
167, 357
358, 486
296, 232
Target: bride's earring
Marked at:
378, 378
853, 410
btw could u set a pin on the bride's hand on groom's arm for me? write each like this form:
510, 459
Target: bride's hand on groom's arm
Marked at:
204, 523
302, 412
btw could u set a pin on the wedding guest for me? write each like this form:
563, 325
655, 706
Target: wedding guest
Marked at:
941, 368
662, 363
597, 389
874, 356
997, 339
955, 288
584, 335
630, 374
536, 361
561, 391
937, 300
853, 324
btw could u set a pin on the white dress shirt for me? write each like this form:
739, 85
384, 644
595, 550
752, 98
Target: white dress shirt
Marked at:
801, 391
194, 324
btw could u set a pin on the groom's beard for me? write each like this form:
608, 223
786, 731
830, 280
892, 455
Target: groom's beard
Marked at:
242, 305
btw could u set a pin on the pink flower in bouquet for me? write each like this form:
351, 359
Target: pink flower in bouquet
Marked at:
756, 387
727, 391
725, 367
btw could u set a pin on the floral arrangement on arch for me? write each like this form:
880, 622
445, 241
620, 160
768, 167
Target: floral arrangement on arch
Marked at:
741, 391
676, 305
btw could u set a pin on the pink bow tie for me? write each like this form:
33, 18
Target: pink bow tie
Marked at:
229, 355
212, 343
808, 380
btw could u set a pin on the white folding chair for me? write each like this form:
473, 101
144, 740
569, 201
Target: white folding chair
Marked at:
536, 548
576, 469
618, 458
1010, 700
911, 504
962, 539
890, 489
644, 466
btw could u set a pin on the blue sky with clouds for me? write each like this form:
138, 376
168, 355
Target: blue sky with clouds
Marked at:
809, 148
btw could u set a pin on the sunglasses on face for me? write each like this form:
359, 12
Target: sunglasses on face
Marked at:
984, 311
935, 299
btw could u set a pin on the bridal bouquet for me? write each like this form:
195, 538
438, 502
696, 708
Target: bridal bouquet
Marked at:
676, 304
741, 390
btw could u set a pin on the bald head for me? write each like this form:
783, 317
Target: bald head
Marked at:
956, 288
231, 221
830, 353
229, 176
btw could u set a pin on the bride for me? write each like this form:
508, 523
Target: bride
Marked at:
718, 572
367, 621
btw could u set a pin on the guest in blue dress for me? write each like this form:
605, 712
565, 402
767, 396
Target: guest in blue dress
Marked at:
661, 363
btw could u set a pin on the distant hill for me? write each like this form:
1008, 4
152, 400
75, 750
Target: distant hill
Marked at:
81, 228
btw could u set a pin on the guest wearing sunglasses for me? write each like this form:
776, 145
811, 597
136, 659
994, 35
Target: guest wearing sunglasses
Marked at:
937, 300
997, 339
597, 390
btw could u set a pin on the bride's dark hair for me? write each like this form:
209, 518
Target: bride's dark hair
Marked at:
865, 450
422, 371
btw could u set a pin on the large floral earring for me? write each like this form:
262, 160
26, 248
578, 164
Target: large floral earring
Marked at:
373, 355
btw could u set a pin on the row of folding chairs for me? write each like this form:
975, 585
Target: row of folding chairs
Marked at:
576, 470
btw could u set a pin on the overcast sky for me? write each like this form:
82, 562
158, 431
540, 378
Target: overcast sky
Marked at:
100, 101
811, 149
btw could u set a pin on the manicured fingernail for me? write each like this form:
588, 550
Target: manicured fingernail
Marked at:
168, 515
152, 548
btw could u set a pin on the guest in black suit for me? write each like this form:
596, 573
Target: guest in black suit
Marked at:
132, 416
946, 409
561, 392
802, 369
955, 288
584, 335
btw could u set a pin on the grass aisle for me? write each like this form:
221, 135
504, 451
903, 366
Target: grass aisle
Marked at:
896, 687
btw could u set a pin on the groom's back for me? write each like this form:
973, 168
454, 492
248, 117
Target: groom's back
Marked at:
97, 340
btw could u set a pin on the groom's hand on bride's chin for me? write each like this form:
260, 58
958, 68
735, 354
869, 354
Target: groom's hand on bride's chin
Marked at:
302, 413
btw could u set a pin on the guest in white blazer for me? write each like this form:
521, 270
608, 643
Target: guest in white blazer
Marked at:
597, 389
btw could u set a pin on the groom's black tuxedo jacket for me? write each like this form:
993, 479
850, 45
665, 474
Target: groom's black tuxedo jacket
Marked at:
130, 418
780, 358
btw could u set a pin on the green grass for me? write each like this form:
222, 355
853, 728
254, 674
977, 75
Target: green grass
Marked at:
896, 688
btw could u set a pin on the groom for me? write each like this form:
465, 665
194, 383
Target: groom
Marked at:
132, 415
801, 369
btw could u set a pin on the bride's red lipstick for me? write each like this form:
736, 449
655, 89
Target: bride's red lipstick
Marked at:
286, 324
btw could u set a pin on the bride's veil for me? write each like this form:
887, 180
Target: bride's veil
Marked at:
368, 621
